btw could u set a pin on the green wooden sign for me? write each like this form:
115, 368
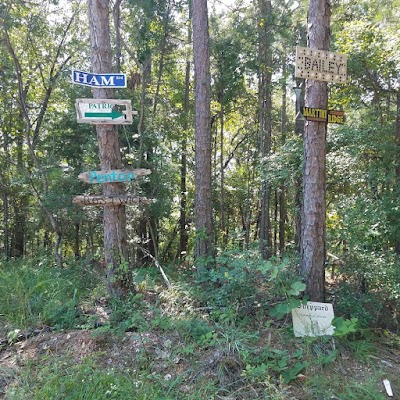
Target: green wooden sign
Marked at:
111, 176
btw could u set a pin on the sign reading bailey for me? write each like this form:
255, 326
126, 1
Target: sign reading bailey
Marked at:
99, 80
320, 65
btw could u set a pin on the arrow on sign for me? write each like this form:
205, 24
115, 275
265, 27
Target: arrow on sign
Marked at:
113, 115
104, 111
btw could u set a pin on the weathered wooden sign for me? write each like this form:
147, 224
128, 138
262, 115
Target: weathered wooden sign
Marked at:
313, 319
321, 115
112, 175
336, 117
110, 201
320, 65
104, 111
315, 114
98, 80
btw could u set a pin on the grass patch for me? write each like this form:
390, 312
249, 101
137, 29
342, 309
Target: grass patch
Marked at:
197, 340
64, 380
35, 293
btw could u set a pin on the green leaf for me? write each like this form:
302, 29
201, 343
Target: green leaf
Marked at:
292, 373
296, 288
282, 309
344, 326
265, 267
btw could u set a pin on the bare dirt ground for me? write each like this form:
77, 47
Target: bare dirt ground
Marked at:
122, 352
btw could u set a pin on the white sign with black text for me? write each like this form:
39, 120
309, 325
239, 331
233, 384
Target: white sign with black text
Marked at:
313, 319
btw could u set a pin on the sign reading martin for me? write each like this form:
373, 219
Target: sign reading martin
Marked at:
321, 115
99, 80
320, 65
313, 319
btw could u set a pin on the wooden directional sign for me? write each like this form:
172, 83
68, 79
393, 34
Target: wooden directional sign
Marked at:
104, 111
321, 115
110, 201
315, 114
336, 117
112, 175
98, 80
320, 65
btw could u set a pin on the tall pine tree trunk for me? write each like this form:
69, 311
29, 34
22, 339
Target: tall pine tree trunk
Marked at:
224, 240
312, 263
6, 214
114, 218
20, 204
203, 206
183, 230
397, 188
6, 236
282, 190
299, 131
265, 109
162, 54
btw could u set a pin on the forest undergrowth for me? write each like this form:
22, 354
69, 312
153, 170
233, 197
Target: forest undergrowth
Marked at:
224, 335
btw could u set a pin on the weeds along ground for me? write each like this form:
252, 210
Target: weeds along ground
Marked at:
225, 335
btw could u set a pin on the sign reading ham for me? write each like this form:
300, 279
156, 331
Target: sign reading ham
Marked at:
320, 65
98, 80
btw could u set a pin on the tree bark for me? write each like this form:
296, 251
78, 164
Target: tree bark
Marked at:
117, 28
162, 55
6, 236
203, 206
314, 192
265, 108
298, 206
5, 198
114, 218
183, 230
397, 188
222, 173
20, 204
282, 190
